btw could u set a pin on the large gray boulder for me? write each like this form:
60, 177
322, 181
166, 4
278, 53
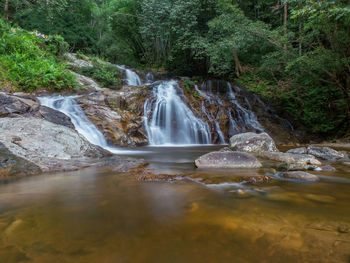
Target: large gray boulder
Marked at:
227, 159
44, 143
253, 142
324, 153
291, 161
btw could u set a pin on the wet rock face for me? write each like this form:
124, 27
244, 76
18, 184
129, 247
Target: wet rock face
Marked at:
43, 142
292, 161
253, 142
28, 106
11, 165
227, 159
118, 114
298, 175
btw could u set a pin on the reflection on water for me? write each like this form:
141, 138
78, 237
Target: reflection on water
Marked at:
100, 216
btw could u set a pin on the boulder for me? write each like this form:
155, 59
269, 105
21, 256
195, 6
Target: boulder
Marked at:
291, 161
298, 175
253, 142
44, 143
11, 165
227, 159
324, 153
27, 106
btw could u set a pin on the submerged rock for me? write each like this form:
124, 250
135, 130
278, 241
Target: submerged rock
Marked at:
324, 153
328, 168
227, 159
45, 143
253, 142
298, 175
292, 161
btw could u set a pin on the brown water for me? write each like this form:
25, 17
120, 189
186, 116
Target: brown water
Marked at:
105, 217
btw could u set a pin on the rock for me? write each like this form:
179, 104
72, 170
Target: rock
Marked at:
253, 142
118, 114
324, 153
53, 116
292, 161
298, 175
227, 160
328, 168
44, 143
225, 149
301, 150
77, 62
27, 106
86, 82
11, 165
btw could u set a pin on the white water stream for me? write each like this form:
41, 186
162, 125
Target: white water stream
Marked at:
169, 121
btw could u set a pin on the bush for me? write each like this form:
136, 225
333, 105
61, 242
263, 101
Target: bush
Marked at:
30, 62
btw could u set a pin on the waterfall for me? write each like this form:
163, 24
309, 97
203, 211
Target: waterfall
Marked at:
132, 79
240, 118
82, 124
169, 121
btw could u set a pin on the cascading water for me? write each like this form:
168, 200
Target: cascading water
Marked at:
246, 116
71, 108
169, 121
68, 106
132, 79
240, 118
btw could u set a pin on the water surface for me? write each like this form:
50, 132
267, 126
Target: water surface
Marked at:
96, 215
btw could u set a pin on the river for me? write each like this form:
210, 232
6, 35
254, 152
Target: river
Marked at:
97, 215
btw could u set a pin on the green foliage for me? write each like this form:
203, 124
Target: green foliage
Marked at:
295, 52
28, 63
107, 75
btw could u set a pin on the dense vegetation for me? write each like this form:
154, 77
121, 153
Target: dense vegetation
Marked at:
295, 53
29, 62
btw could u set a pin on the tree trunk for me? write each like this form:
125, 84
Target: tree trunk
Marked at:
6, 9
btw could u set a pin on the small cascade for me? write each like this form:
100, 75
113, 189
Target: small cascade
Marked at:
82, 124
240, 119
150, 77
132, 79
221, 135
169, 121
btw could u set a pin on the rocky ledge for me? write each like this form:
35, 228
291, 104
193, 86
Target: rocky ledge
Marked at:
42, 146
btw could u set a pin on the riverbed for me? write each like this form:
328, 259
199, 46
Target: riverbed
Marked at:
97, 215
